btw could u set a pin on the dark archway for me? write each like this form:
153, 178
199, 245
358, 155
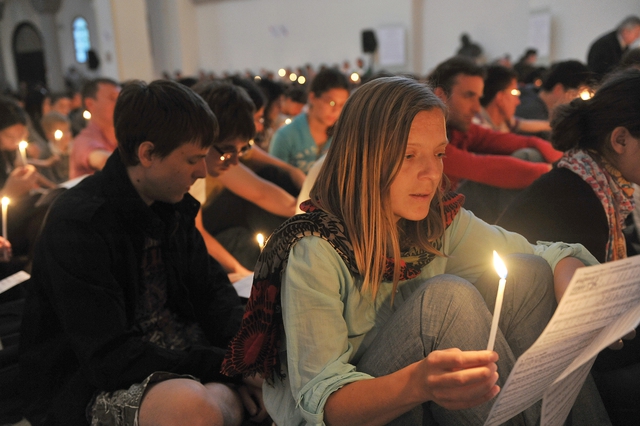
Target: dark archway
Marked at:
28, 54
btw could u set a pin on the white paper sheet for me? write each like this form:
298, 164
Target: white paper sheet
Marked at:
243, 286
601, 304
13, 280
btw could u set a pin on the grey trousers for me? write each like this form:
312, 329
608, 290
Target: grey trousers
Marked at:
449, 312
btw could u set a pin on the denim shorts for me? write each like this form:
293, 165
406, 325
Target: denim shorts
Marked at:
122, 407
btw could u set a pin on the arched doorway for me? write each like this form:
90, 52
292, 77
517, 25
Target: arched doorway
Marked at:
28, 55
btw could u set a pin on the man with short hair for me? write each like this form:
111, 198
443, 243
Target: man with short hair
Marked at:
126, 310
95, 143
605, 53
481, 158
563, 83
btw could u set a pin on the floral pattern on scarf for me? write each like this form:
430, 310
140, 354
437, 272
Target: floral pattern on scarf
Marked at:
614, 192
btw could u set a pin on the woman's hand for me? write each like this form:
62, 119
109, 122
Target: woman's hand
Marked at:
251, 395
5, 250
21, 180
455, 379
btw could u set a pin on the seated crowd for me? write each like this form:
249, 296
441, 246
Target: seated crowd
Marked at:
372, 305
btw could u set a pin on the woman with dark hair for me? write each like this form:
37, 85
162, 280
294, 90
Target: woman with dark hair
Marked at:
586, 200
600, 138
17, 180
37, 104
374, 305
306, 138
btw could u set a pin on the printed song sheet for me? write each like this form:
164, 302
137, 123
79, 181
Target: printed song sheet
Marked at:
601, 304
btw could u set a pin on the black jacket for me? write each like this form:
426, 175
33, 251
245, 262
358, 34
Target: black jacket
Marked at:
78, 334
604, 54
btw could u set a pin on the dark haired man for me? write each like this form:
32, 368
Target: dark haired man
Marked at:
95, 143
562, 83
481, 158
240, 202
125, 307
605, 53
305, 139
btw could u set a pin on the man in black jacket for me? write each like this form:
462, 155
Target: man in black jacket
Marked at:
605, 53
126, 309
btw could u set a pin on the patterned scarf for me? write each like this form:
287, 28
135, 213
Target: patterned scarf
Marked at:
254, 349
614, 192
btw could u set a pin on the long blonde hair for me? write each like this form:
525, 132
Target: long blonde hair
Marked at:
366, 154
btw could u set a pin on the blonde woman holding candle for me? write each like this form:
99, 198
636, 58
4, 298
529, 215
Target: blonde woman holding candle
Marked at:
374, 306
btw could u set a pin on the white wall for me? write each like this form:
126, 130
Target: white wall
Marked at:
234, 35
240, 34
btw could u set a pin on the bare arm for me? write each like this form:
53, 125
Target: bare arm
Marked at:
563, 273
244, 183
259, 156
219, 253
530, 126
451, 378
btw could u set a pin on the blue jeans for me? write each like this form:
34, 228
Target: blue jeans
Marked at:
450, 312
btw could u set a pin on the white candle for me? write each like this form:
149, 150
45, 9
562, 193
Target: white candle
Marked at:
22, 146
5, 204
501, 269
260, 239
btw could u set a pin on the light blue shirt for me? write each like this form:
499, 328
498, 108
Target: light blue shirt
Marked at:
294, 144
329, 324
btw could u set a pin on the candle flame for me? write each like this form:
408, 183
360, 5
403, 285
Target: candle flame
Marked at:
23, 145
5, 201
355, 77
57, 134
86, 114
586, 94
499, 265
302, 79
260, 239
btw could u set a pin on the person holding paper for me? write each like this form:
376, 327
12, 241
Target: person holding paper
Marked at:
600, 138
127, 317
374, 306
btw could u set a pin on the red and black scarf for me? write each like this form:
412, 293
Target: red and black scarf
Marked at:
254, 349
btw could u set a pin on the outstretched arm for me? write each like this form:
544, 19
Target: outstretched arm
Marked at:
245, 184
219, 253
258, 155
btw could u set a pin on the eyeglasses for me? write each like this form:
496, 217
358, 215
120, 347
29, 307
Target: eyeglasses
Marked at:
226, 156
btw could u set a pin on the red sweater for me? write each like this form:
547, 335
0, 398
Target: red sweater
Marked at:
484, 156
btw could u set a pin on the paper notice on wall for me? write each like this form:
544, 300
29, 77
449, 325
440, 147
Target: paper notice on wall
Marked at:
391, 45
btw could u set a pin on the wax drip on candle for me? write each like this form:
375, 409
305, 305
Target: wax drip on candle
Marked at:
501, 269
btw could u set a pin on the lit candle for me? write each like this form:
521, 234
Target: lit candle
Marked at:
22, 146
86, 115
5, 204
57, 134
260, 239
501, 269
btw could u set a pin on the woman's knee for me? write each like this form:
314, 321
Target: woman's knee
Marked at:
450, 289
